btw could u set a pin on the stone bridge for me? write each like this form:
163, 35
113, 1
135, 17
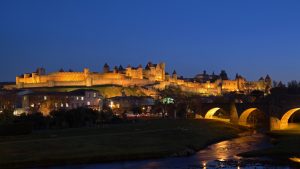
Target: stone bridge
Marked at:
274, 115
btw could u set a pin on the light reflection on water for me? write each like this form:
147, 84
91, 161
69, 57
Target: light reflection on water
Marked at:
220, 155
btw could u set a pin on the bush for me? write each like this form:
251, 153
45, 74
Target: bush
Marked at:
80, 117
15, 129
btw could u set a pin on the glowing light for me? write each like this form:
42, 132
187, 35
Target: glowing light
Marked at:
168, 100
111, 104
295, 159
204, 164
284, 122
211, 112
221, 159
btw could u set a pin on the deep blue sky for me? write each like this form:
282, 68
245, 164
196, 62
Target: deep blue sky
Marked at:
252, 38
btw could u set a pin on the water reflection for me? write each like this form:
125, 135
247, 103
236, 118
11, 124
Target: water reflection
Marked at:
220, 155
229, 149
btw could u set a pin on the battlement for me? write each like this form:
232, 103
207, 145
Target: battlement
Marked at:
139, 76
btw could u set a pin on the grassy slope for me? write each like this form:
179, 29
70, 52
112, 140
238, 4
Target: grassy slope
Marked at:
145, 139
105, 90
286, 145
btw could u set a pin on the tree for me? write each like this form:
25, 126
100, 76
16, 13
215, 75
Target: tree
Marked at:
6, 117
79, 117
257, 94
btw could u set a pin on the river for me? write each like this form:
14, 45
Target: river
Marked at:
219, 155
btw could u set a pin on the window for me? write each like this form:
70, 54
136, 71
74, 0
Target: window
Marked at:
55, 104
32, 105
67, 105
88, 103
61, 105
45, 97
77, 98
95, 94
82, 98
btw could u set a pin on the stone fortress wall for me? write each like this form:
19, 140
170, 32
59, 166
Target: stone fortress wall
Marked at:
153, 75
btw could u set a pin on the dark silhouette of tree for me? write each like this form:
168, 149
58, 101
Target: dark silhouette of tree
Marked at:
6, 117
79, 117
257, 94
37, 120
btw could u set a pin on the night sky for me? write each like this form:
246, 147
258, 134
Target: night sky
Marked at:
253, 38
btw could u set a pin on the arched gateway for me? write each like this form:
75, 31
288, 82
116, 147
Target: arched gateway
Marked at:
244, 117
284, 122
212, 112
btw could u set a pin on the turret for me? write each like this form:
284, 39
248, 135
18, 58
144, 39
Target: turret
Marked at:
140, 72
86, 71
174, 75
40, 71
149, 64
223, 75
115, 69
167, 76
121, 69
236, 76
268, 79
128, 71
105, 68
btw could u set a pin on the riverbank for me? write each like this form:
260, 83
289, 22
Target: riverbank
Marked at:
141, 140
286, 146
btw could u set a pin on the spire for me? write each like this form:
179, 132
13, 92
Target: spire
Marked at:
174, 74
105, 68
121, 68
236, 76
116, 69
106, 65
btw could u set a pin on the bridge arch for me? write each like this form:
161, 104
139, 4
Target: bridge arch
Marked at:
243, 120
284, 122
211, 112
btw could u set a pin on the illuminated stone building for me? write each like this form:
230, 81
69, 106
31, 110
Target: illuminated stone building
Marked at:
120, 104
45, 102
153, 75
